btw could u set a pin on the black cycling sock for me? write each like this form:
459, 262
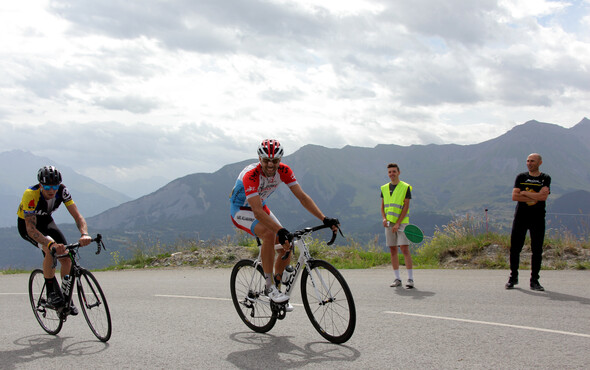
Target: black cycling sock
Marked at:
49, 284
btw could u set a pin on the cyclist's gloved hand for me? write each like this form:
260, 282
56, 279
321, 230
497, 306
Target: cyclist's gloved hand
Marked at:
331, 221
284, 236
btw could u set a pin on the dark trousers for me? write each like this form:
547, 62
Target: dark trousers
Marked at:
520, 226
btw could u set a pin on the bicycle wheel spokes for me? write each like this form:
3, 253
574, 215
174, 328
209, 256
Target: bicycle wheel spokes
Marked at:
247, 285
94, 306
47, 317
328, 302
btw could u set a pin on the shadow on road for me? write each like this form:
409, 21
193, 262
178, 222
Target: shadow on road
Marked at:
37, 347
414, 293
555, 296
278, 352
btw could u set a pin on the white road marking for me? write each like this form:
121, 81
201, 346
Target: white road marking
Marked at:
191, 297
207, 298
490, 323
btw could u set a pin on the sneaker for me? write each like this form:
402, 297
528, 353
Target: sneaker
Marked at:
73, 309
511, 283
276, 295
409, 284
396, 283
54, 300
289, 307
536, 286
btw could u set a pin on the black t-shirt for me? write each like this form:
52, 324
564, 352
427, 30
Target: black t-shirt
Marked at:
526, 182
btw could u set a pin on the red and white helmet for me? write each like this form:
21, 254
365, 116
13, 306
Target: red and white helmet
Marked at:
270, 148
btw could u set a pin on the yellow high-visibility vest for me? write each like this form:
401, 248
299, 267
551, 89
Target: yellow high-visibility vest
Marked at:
393, 203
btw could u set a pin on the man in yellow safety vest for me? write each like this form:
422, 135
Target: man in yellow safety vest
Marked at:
395, 210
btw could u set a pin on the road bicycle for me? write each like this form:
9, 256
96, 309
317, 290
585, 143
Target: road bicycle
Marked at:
325, 294
92, 300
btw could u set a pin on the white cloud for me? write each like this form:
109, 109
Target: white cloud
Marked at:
533, 8
186, 86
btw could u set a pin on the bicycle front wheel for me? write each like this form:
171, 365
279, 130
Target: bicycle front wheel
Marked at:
328, 301
247, 285
46, 315
94, 305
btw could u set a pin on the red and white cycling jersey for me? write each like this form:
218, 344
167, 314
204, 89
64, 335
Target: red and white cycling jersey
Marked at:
252, 182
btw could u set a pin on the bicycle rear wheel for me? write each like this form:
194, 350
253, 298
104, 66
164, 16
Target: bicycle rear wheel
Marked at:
48, 317
94, 305
328, 301
247, 285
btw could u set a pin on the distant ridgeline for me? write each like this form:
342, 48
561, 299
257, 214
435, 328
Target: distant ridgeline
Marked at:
448, 181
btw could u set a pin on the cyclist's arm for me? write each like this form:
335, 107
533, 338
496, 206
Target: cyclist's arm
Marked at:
255, 203
85, 239
31, 224
307, 202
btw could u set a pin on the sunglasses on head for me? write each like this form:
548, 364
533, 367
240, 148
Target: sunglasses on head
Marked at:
50, 187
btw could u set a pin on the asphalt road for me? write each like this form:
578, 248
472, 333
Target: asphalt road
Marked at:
184, 318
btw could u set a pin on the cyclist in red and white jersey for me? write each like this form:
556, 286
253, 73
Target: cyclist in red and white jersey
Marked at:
250, 213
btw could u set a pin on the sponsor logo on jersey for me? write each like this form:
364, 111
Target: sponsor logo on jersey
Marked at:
250, 219
66, 196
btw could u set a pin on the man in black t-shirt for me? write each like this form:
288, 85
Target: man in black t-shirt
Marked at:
531, 190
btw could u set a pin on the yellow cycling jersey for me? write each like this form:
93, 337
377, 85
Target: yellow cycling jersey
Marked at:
33, 202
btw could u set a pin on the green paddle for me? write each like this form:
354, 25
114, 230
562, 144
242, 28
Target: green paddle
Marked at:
413, 233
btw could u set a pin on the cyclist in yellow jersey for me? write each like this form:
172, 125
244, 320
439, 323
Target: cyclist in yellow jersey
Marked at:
36, 225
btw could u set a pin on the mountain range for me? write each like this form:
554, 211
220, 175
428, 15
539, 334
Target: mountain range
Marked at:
448, 181
19, 171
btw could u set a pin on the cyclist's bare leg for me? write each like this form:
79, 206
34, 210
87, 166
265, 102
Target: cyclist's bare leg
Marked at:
66, 266
267, 249
48, 270
280, 264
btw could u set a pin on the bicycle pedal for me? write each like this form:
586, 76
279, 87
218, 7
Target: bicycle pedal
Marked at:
280, 309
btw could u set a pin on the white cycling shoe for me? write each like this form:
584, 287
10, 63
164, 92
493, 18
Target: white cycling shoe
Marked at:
289, 307
276, 295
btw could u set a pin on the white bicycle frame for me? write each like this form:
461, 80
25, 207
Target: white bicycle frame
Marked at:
303, 260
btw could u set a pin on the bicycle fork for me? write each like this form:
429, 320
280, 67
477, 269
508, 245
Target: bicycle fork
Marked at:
329, 297
83, 293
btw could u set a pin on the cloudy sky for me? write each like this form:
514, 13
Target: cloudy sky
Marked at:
123, 90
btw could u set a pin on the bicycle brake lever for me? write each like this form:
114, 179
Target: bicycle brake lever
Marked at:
334, 233
99, 244
286, 255
53, 252
290, 239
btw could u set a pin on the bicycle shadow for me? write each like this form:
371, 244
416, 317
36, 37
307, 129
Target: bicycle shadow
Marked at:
555, 296
280, 353
43, 346
414, 293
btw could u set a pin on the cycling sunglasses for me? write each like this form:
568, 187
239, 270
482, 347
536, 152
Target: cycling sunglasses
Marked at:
268, 160
50, 187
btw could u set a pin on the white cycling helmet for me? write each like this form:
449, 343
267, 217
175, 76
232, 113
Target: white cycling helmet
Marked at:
270, 148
